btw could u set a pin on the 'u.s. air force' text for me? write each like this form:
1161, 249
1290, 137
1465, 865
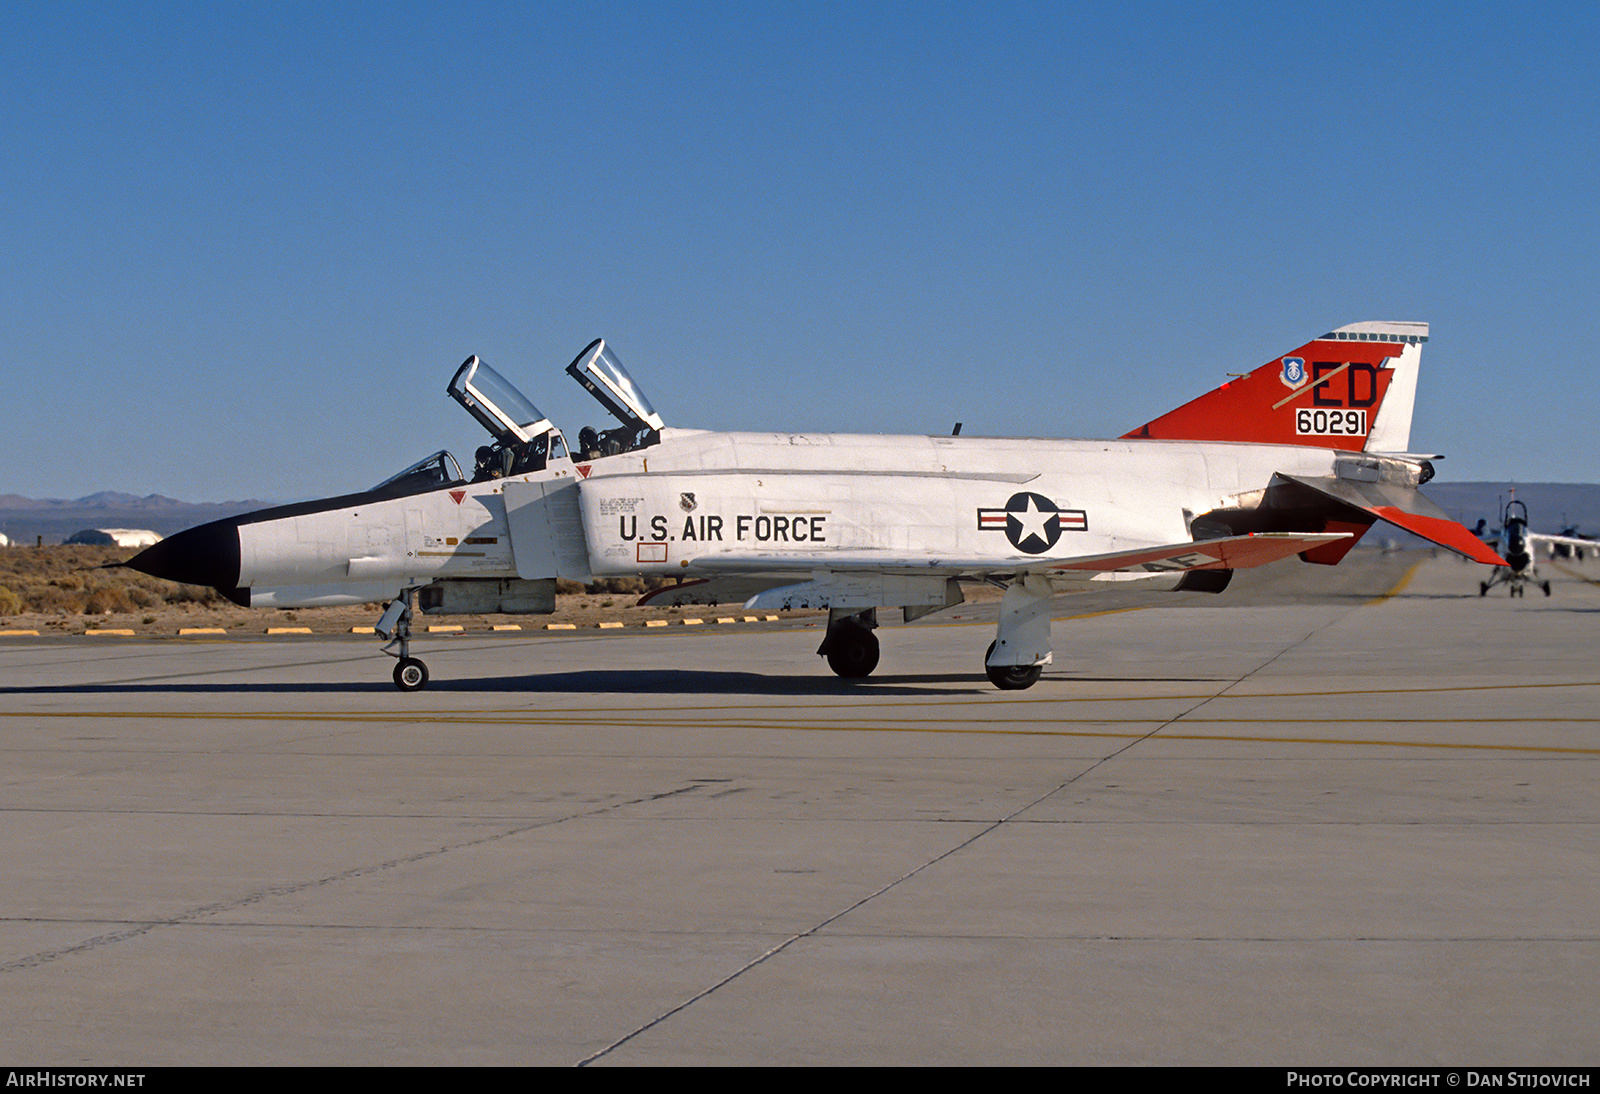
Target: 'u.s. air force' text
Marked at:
714, 527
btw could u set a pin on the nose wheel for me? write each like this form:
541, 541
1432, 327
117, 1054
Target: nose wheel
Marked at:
410, 674
395, 625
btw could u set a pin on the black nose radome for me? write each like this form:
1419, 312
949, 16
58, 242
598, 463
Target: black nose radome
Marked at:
206, 555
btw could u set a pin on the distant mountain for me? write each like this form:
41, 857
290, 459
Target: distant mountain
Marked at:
1552, 506
106, 499
28, 520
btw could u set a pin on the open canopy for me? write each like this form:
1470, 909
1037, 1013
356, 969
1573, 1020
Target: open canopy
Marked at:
525, 440
603, 376
496, 403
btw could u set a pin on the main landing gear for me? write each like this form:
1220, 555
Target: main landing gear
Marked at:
1023, 635
1010, 677
1516, 589
850, 646
410, 674
1022, 640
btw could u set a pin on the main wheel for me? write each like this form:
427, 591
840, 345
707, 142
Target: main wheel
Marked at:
410, 674
1010, 677
1546, 587
853, 652
1483, 588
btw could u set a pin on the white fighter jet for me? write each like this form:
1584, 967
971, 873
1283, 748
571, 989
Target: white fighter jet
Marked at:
1298, 457
1521, 547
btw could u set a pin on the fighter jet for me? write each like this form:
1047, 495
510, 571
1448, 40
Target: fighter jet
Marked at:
1572, 544
1521, 549
1297, 457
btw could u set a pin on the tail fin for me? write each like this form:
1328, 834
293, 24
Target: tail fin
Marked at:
1353, 388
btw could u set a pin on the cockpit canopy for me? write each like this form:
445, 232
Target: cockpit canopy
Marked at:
601, 374
499, 407
525, 440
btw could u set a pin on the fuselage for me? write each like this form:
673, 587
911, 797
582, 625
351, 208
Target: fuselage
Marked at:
802, 497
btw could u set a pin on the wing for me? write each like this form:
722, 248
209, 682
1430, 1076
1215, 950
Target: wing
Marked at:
873, 578
1540, 539
1226, 553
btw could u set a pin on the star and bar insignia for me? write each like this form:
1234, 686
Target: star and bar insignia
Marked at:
1032, 522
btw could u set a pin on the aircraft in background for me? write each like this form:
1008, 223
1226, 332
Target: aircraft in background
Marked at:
1521, 550
1572, 544
1298, 457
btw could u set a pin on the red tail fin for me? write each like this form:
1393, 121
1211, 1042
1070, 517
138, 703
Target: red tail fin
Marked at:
1353, 388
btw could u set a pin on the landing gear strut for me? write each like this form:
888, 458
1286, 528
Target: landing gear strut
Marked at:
410, 674
850, 646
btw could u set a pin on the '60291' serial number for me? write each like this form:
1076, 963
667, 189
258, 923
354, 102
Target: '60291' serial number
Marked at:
1330, 423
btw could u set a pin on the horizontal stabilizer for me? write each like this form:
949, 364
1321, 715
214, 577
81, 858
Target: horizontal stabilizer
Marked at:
1406, 508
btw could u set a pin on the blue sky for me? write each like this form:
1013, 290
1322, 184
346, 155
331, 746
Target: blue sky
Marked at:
246, 245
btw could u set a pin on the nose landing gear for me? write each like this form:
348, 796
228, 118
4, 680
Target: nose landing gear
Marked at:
410, 674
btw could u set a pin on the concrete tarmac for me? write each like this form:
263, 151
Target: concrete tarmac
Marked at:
1357, 829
